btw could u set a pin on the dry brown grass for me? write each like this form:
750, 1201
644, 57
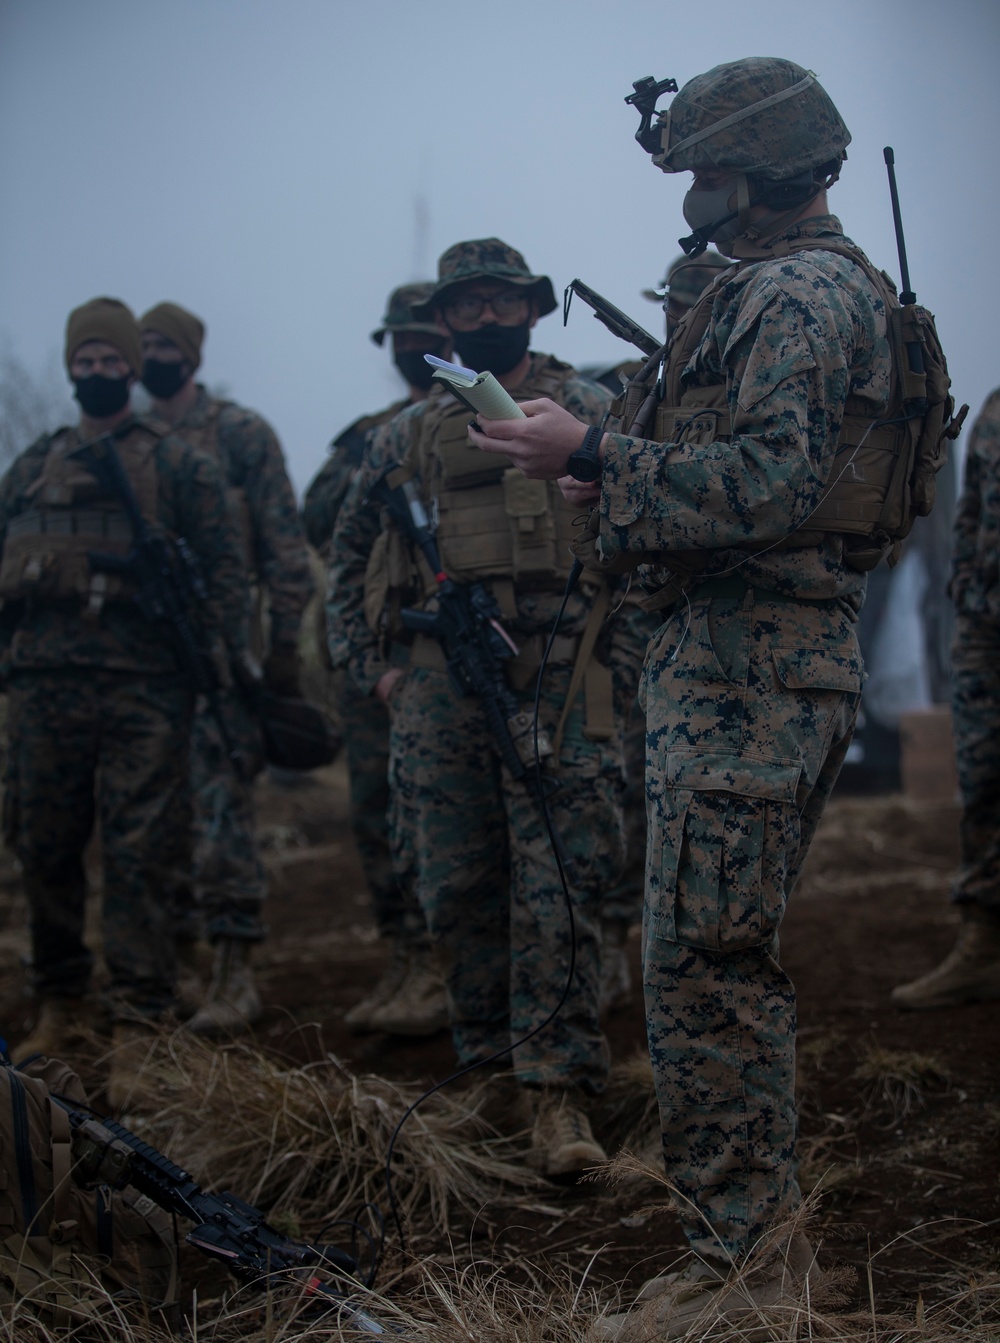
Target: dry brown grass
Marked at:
480, 1303
896, 1081
308, 1142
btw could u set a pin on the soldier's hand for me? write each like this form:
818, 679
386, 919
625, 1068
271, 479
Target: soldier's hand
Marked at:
541, 444
387, 683
579, 491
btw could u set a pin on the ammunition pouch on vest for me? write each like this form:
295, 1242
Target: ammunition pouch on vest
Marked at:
883, 474
492, 522
46, 552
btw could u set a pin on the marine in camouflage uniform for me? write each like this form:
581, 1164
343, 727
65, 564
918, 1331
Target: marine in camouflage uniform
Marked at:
99, 711
471, 838
409, 996
971, 971
229, 881
752, 683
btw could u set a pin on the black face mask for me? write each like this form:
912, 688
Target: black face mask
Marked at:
164, 380
100, 397
415, 368
493, 348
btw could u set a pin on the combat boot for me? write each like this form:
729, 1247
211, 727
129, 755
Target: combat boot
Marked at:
358, 1018
419, 1005
970, 973
563, 1145
761, 1300
58, 1030
130, 1079
232, 1003
504, 1103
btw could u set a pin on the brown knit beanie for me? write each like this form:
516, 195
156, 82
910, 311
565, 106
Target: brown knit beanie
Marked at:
179, 326
104, 319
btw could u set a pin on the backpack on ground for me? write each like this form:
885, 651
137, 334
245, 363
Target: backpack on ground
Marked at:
68, 1253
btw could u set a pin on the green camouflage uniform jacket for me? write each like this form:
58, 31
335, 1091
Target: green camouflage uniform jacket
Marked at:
789, 338
975, 583
253, 467
352, 643
191, 503
329, 488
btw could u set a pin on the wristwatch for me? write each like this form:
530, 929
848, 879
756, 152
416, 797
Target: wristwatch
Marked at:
585, 464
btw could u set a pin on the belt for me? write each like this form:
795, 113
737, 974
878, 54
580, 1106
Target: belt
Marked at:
736, 587
426, 652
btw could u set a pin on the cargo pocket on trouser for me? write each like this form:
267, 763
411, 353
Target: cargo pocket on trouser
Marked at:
722, 838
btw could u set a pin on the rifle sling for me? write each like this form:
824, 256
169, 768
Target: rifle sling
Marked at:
595, 701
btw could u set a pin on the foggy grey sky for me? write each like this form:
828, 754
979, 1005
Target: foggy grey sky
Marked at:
278, 168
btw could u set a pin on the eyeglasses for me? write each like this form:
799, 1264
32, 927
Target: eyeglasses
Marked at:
468, 308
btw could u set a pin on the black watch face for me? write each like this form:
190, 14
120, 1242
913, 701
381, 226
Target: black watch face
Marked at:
584, 466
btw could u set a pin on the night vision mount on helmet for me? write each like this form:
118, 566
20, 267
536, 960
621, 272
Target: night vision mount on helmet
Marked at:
764, 119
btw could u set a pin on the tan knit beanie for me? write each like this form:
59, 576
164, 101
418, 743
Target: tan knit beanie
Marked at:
179, 326
104, 319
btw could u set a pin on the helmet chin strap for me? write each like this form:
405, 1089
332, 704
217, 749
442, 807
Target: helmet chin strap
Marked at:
753, 242
743, 201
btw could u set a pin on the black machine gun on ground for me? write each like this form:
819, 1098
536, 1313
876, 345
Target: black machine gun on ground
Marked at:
225, 1227
170, 590
467, 626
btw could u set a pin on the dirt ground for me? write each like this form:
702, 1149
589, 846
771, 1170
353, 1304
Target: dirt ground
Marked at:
900, 1112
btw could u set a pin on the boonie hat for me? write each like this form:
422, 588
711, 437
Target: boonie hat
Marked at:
399, 311
485, 259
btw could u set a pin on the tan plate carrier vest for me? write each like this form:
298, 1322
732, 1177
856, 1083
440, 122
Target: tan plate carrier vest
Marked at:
46, 552
495, 526
883, 473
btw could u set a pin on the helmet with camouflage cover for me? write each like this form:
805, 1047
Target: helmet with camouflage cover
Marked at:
485, 259
399, 311
763, 116
686, 277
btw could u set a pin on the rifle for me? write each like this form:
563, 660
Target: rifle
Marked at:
226, 1228
617, 322
169, 583
620, 324
467, 626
